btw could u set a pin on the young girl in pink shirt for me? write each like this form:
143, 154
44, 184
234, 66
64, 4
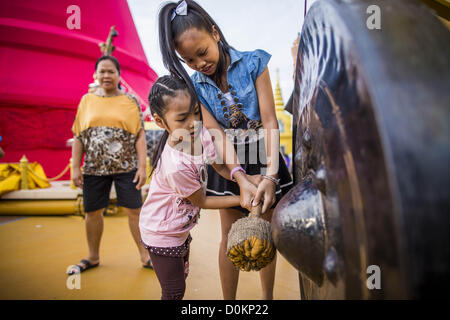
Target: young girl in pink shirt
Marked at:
177, 189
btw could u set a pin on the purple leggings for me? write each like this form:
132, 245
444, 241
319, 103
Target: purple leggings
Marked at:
172, 273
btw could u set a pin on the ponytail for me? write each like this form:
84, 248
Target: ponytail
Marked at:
170, 58
158, 151
170, 30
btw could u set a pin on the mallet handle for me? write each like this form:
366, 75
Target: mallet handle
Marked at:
256, 211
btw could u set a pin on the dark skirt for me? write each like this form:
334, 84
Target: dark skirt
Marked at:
252, 158
174, 252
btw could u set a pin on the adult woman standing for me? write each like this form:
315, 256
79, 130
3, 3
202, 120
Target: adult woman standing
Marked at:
109, 130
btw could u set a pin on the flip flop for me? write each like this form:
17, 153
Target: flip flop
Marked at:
87, 265
148, 265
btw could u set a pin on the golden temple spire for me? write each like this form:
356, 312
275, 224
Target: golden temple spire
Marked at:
284, 120
108, 47
279, 104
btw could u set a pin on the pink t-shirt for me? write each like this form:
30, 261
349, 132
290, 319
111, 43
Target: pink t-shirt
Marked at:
167, 215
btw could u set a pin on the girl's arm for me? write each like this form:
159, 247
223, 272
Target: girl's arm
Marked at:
141, 149
227, 155
225, 173
222, 169
266, 189
199, 199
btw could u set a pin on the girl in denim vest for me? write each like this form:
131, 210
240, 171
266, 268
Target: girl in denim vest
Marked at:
235, 94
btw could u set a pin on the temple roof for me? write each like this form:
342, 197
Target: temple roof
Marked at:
46, 63
279, 104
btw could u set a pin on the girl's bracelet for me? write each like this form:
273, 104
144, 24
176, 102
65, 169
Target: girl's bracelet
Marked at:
234, 171
274, 180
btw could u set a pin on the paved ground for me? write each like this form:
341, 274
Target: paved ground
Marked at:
35, 252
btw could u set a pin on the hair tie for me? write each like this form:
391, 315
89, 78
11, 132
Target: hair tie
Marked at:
180, 10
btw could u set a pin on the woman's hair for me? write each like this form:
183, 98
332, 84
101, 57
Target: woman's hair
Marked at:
162, 89
110, 58
170, 30
113, 60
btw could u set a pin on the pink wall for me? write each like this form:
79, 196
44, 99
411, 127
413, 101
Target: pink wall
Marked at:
46, 68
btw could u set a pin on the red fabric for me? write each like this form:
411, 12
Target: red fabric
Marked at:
46, 69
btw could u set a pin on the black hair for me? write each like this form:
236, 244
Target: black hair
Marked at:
164, 87
110, 58
170, 30
113, 60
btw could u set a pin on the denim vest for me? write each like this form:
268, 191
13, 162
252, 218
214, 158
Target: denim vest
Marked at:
244, 68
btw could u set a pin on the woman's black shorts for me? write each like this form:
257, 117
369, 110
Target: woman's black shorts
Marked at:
96, 190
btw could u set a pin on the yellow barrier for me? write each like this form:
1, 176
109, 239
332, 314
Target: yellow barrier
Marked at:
23, 175
31, 176
41, 207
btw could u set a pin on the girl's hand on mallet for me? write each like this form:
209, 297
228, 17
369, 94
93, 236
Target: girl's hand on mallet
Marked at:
266, 193
247, 193
255, 179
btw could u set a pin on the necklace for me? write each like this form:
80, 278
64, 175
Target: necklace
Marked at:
117, 93
101, 93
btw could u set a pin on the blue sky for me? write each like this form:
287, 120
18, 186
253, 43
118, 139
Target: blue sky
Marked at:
271, 25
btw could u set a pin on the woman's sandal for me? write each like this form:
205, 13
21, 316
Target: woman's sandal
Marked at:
81, 268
